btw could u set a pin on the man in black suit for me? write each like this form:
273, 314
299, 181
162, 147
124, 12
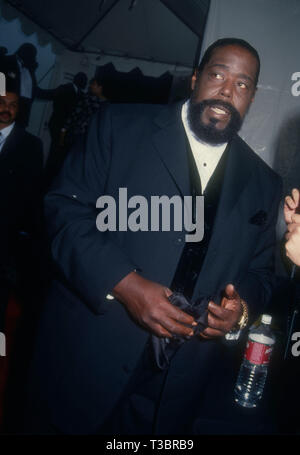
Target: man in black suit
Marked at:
21, 68
21, 167
129, 355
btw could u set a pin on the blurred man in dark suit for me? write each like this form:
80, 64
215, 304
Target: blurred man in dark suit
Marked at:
21, 167
21, 68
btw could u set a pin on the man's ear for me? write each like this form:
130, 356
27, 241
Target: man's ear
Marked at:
193, 80
253, 96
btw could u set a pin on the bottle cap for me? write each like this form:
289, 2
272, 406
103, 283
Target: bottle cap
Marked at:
266, 319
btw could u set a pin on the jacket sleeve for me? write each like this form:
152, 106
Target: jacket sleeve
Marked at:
257, 285
90, 260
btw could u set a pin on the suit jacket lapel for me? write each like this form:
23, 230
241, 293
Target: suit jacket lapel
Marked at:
237, 174
169, 141
11, 142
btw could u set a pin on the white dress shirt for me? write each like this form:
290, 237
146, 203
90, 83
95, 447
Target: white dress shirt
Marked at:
4, 133
206, 156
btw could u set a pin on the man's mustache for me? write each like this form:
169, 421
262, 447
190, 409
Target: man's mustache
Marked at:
220, 103
209, 132
5, 113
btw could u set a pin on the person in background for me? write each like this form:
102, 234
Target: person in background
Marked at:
78, 121
21, 169
21, 67
288, 294
65, 99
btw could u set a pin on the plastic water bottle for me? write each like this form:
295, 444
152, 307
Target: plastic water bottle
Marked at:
254, 368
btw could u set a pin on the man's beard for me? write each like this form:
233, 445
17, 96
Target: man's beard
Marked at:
6, 120
210, 133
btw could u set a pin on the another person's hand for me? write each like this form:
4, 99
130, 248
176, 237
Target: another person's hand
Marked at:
148, 304
291, 204
223, 318
292, 219
292, 246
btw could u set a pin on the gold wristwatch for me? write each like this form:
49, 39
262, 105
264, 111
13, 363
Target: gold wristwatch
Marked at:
243, 321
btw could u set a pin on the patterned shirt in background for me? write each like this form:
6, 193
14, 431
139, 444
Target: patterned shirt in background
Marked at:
78, 121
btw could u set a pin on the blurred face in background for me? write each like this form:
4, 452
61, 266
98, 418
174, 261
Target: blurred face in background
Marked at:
95, 89
9, 107
27, 53
80, 80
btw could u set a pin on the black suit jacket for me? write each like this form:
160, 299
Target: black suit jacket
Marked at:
88, 346
21, 167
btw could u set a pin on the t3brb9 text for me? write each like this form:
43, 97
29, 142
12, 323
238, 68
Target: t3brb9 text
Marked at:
152, 444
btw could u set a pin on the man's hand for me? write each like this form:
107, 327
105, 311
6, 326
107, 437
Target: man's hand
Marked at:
148, 303
222, 318
291, 204
292, 246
